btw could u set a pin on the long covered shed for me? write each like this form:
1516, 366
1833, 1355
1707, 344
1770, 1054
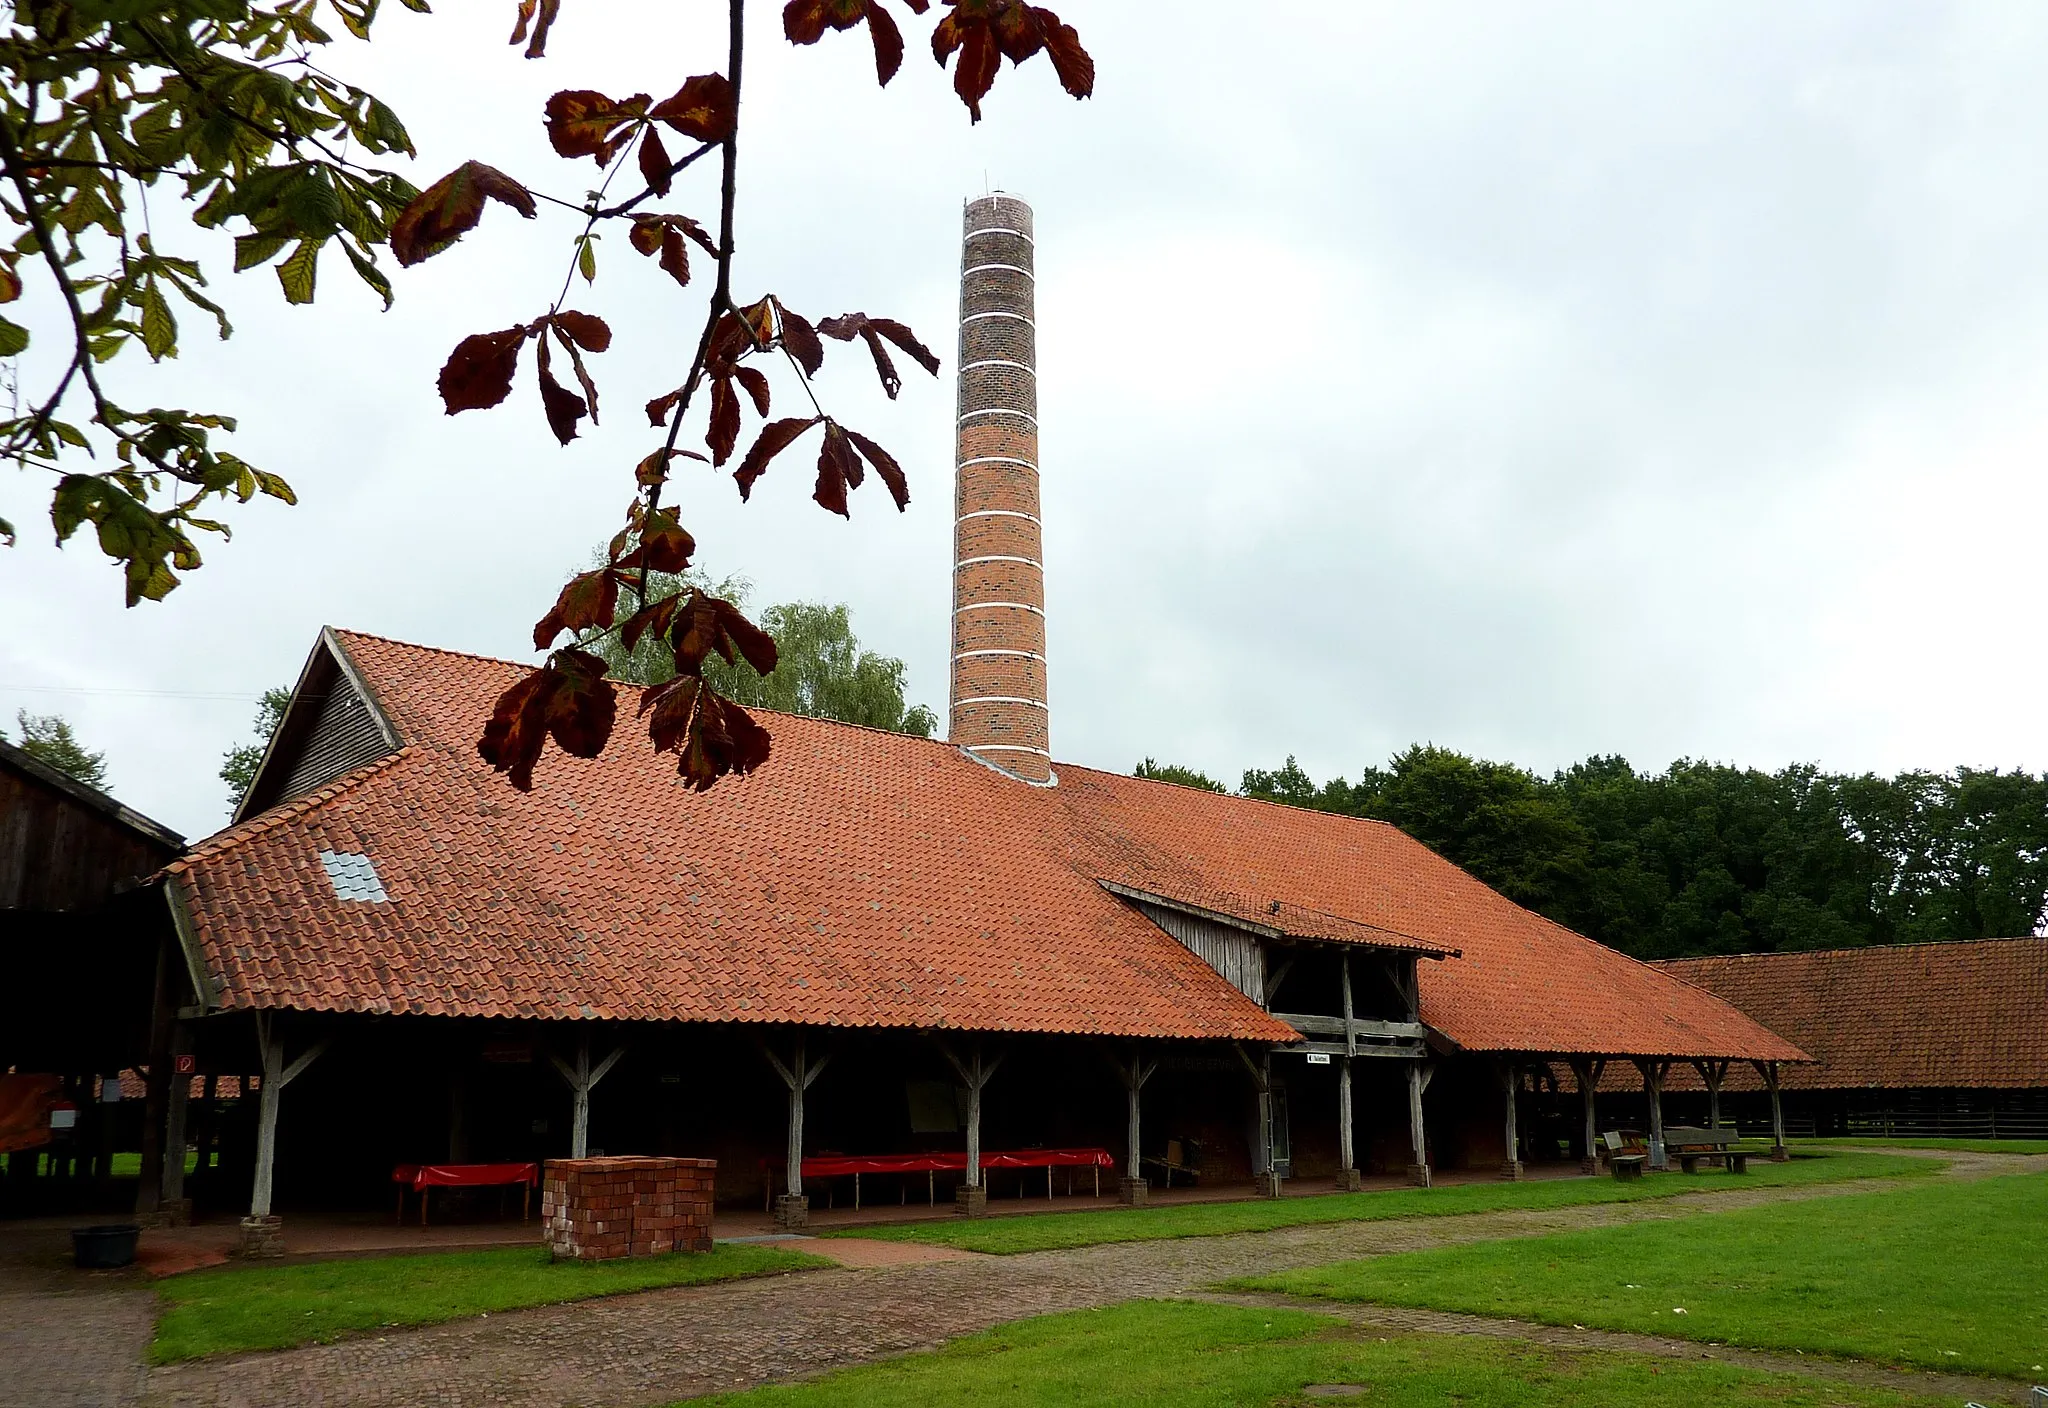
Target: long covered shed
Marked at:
874, 944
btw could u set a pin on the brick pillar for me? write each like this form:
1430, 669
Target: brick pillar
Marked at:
998, 681
599, 1209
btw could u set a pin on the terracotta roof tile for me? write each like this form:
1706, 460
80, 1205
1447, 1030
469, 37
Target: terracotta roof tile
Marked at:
861, 878
1903, 1016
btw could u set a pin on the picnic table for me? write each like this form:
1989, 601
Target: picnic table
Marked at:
1691, 1144
421, 1177
932, 1163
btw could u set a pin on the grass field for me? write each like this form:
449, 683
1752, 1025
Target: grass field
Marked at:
1939, 1276
1967, 1146
1191, 1355
269, 1307
1052, 1231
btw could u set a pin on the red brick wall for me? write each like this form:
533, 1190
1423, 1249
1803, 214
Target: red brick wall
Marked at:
598, 1209
998, 677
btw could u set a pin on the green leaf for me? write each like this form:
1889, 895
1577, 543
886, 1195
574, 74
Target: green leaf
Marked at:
586, 261
6, 533
296, 273
367, 270
251, 250
13, 338
159, 328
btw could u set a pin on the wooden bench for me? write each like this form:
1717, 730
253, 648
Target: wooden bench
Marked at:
1691, 1145
1182, 1156
1627, 1166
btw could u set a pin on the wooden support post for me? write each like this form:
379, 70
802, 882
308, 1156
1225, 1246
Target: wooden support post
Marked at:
259, 1228
1511, 1086
1768, 1070
1419, 1073
1347, 1159
582, 1080
798, 1074
1132, 1188
971, 1198
1712, 1073
172, 1200
1264, 1177
1588, 1072
1653, 1092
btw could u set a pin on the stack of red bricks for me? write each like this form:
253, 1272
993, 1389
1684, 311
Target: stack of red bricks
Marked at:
599, 1209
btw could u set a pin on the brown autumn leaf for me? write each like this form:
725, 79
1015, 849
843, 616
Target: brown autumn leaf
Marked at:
479, 371
658, 409
581, 122
541, 15
568, 698
711, 736
987, 31
654, 468
582, 372
800, 338
564, 407
587, 602
663, 235
450, 208
665, 545
886, 466
654, 163
775, 437
872, 331
724, 430
702, 108
805, 22
648, 621
757, 387
705, 623
10, 281
587, 330
839, 470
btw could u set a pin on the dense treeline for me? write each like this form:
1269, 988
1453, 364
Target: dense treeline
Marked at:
1703, 858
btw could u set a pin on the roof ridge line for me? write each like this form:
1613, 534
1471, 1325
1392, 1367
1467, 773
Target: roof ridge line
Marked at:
1850, 948
1239, 797
229, 837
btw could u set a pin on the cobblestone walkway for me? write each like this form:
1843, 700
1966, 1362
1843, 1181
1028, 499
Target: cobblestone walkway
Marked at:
660, 1346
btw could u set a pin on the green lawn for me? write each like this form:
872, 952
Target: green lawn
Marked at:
1941, 1276
1178, 1354
1036, 1232
1968, 1146
269, 1307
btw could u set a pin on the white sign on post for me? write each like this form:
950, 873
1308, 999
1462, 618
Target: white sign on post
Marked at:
1319, 1058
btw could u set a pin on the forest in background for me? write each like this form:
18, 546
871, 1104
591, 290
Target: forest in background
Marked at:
1703, 858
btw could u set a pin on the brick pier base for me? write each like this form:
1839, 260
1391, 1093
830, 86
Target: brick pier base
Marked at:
1512, 1170
261, 1237
1132, 1192
600, 1209
1591, 1166
1265, 1185
971, 1202
792, 1211
1418, 1174
1349, 1180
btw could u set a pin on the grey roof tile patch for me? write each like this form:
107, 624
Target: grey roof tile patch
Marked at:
353, 877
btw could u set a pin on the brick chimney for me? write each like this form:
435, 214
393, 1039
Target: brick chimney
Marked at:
999, 699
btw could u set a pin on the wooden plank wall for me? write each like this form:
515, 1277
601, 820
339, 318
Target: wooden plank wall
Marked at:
1231, 952
344, 737
58, 853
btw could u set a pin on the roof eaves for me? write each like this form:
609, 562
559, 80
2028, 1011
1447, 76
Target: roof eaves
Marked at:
90, 796
232, 836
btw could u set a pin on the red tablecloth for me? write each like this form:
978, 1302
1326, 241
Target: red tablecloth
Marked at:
832, 1165
464, 1175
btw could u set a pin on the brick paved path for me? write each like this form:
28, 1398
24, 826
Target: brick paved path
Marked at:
69, 1339
663, 1345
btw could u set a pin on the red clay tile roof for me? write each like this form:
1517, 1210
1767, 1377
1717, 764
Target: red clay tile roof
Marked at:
1904, 1016
861, 878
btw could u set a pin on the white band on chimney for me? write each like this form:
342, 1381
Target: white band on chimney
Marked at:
1002, 513
1027, 561
998, 606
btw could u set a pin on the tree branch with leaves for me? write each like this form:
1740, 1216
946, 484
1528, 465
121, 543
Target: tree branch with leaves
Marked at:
571, 699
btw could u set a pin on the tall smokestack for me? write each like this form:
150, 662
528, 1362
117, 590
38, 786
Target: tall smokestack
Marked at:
999, 700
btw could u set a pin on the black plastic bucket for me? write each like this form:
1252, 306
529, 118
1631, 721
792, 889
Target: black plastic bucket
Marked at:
104, 1247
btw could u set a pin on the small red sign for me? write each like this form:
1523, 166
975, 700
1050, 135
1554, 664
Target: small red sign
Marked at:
188, 1065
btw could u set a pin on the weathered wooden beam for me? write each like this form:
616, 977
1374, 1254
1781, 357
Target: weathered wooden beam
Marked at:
1314, 1024
1653, 1073
1275, 979
1511, 1082
1406, 1050
1418, 1081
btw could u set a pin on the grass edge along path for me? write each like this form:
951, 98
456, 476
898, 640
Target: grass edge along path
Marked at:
226, 1310
1036, 1232
1932, 1276
1195, 1355
1960, 1146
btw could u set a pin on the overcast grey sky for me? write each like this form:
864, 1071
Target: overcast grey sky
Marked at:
1537, 379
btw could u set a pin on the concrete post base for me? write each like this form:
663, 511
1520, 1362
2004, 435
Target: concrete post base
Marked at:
1266, 1185
261, 1237
792, 1210
1349, 1180
1418, 1174
971, 1202
1512, 1171
1132, 1192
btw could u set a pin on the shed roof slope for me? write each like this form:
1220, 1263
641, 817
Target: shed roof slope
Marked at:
1521, 983
1898, 1016
861, 879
